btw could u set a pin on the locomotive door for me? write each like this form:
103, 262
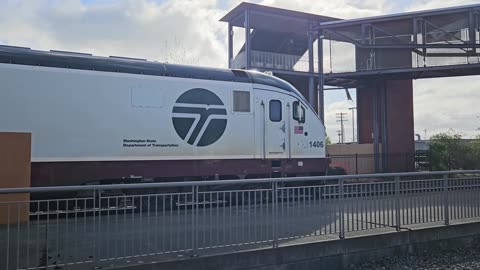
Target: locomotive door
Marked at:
271, 114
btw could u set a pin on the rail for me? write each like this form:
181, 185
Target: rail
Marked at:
115, 225
273, 61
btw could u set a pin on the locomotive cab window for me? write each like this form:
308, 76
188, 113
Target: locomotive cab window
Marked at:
298, 112
275, 110
241, 101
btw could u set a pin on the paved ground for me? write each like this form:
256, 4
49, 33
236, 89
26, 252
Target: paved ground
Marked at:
123, 237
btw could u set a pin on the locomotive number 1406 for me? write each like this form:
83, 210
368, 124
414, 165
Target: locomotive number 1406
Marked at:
316, 144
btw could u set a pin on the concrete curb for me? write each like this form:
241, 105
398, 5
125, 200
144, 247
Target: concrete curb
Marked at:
335, 254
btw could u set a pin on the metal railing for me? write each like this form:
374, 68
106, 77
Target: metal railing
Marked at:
342, 59
274, 61
112, 225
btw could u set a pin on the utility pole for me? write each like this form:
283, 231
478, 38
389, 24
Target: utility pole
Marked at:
339, 133
341, 119
353, 122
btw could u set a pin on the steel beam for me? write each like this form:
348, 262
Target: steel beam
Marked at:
443, 31
389, 35
420, 46
321, 78
424, 42
376, 149
472, 35
311, 78
466, 54
269, 14
248, 39
392, 71
364, 33
230, 45
383, 114
415, 30
398, 17
373, 52
396, 37
353, 41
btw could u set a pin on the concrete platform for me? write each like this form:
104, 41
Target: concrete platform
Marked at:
335, 254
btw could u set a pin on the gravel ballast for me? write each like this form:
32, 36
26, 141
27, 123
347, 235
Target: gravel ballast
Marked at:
463, 258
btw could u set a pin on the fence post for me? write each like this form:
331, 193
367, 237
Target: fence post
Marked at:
99, 226
446, 205
342, 210
398, 223
274, 213
194, 220
95, 231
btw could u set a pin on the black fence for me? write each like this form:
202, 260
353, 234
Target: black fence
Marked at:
403, 162
371, 163
441, 161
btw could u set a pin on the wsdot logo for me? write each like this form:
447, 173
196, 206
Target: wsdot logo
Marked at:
199, 117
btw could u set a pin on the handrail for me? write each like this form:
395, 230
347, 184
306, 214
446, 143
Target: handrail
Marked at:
264, 145
226, 182
289, 130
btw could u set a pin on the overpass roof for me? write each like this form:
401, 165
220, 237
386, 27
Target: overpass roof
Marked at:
275, 29
450, 19
273, 19
403, 16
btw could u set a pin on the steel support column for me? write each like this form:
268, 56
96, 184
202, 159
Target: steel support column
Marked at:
364, 33
384, 126
321, 79
373, 52
247, 39
230, 45
376, 149
472, 35
311, 78
424, 41
415, 30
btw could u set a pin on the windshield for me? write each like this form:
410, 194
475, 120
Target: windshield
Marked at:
262, 78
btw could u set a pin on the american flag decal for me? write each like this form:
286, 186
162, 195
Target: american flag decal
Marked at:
298, 130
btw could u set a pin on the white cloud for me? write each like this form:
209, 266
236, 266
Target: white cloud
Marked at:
448, 103
179, 31
433, 4
345, 9
332, 122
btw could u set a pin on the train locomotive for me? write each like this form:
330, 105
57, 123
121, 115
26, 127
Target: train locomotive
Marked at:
104, 120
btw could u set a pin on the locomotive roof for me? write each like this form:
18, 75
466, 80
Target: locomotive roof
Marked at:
84, 61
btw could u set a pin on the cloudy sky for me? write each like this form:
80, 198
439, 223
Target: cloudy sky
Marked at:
188, 31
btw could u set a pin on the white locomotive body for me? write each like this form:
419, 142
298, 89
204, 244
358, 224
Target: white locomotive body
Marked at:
105, 119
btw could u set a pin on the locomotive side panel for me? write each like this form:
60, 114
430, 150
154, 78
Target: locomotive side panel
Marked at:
77, 115
307, 136
283, 135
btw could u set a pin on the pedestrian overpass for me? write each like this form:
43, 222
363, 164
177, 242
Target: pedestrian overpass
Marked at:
378, 56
